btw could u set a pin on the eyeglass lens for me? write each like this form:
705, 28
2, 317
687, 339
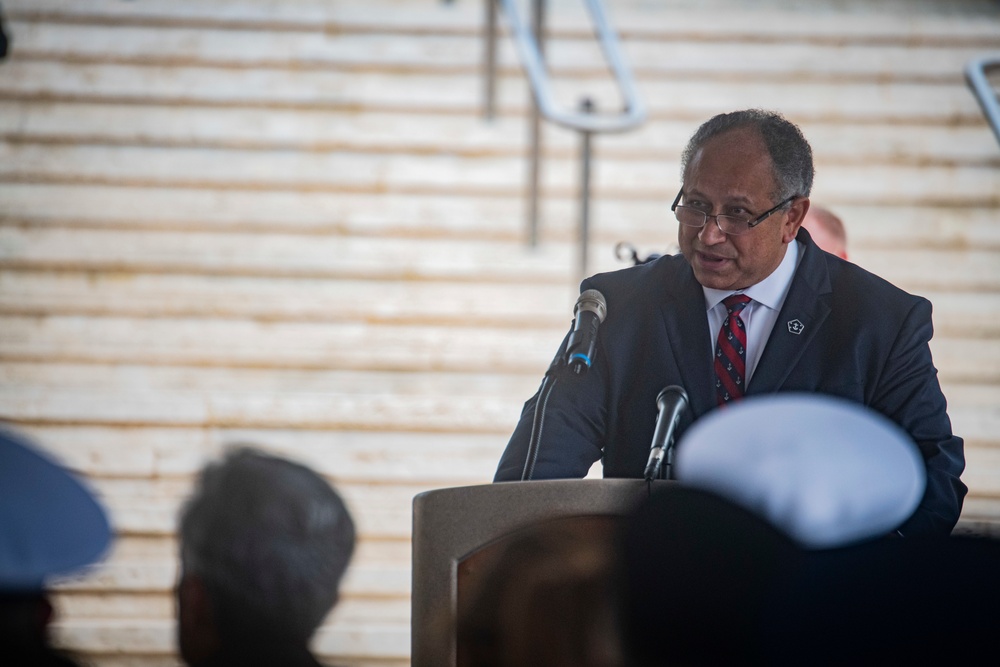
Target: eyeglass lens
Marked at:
692, 217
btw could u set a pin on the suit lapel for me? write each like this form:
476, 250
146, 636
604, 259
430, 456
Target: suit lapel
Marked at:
686, 323
803, 313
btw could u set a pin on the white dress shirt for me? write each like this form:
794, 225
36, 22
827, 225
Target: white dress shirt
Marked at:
761, 313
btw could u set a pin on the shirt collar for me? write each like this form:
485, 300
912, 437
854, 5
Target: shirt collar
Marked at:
770, 291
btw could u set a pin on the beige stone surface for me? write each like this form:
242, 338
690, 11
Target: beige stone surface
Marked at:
288, 224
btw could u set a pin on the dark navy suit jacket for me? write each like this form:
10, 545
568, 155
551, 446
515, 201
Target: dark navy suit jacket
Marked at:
857, 337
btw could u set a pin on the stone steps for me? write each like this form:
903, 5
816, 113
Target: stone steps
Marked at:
438, 217
364, 644
153, 429
464, 411
288, 224
242, 255
574, 55
128, 579
35, 292
109, 451
819, 22
26, 120
279, 255
459, 94
233, 169
149, 507
474, 425
338, 345
100, 604
377, 301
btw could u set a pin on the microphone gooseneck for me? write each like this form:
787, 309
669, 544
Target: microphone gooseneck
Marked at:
577, 355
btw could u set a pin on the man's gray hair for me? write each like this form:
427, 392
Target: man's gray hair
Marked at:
270, 538
791, 155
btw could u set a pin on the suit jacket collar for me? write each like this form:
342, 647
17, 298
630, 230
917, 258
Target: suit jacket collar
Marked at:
683, 313
806, 308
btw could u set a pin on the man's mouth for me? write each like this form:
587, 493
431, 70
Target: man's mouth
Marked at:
710, 261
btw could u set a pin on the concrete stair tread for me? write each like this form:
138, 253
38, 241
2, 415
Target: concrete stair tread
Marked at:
434, 459
309, 131
230, 169
460, 94
814, 21
271, 299
150, 45
378, 302
456, 408
351, 258
330, 410
277, 345
157, 636
160, 603
54, 207
276, 255
144, 507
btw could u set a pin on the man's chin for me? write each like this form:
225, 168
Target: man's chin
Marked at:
713, 279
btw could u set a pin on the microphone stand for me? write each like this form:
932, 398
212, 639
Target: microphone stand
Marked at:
661, 456
665, 467
589, 312
538, 421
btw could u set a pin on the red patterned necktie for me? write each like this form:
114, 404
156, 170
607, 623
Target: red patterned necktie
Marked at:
731, 352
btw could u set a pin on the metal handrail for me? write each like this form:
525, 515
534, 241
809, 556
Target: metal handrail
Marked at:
975, 76
529, 46
531, 59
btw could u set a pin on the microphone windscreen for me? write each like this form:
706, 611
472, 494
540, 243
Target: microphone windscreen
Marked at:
593, 301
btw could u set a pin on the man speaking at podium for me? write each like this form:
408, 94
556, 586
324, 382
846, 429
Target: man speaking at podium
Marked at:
751, 306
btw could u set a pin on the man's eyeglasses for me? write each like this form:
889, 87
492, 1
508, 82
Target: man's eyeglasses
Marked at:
730, 224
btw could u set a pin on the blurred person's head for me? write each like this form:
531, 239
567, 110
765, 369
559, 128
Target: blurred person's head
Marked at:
547, 598
698, 577
826, 230
264, 543
50, 525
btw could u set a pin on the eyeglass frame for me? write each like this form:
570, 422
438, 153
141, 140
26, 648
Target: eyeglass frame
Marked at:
750, 223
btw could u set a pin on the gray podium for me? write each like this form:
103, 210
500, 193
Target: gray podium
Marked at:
450, 525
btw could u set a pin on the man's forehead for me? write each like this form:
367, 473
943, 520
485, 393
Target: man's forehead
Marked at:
730, 197
739, 142
735, 151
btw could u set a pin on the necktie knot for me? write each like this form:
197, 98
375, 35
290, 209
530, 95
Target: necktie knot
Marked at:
736, 302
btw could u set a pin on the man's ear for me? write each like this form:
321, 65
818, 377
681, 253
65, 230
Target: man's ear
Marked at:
197, 636
796, 214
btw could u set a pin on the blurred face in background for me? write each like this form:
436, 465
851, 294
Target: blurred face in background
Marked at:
826, 230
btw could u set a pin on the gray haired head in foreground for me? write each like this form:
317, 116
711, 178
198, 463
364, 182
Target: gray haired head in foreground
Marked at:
270, 538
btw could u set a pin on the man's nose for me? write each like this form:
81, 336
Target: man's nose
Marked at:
711, 234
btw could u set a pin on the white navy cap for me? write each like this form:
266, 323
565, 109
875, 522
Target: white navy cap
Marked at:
50, 524
825, 471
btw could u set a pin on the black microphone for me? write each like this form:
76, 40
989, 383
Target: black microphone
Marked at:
589, 312
672, 402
